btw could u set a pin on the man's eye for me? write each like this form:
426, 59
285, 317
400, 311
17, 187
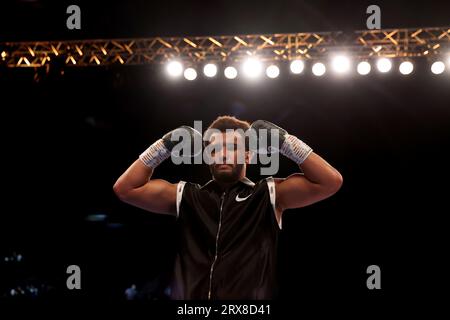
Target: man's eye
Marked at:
216, 147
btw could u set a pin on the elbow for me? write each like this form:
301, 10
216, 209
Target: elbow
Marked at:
335, 183
120, 191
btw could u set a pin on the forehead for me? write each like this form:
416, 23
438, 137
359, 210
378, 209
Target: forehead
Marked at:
231, 136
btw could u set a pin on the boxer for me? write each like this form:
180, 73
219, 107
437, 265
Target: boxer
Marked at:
228, 228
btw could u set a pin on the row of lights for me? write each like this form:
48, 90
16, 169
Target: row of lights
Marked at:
252, 68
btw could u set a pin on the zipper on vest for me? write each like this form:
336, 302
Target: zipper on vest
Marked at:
222, 198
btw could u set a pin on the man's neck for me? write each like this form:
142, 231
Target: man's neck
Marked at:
227, 185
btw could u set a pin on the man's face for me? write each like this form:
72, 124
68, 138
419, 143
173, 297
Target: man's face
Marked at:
229, 156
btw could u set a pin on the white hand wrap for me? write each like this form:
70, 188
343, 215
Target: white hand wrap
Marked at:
155, 154
295, 149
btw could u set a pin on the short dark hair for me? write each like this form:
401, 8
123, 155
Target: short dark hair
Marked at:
222, 123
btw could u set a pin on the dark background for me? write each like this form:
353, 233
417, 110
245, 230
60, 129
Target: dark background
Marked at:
44, 19
66, 139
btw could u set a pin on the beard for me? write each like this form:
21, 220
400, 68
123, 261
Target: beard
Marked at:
227, 176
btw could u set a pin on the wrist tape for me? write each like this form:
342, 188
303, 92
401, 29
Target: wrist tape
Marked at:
155, 154
295, 149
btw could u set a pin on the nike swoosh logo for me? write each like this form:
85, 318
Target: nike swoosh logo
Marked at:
239, 199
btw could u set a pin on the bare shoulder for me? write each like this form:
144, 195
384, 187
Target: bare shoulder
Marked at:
278, 180
292, 176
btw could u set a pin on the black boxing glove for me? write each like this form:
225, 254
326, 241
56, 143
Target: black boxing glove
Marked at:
288, 145
162, 148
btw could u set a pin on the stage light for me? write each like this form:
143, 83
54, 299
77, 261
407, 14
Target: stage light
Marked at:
297, 66
363, 68
340, 64
406, 67
190, 74
384, 65
272, 71
252, 68
174, 68
319, 69
230, 72
438, 67
210, 70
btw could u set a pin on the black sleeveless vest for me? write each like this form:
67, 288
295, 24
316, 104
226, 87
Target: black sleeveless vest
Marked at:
227, 246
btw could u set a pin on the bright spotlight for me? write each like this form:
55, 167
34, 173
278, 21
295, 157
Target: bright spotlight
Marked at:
437, 67
210, 70
363, 68
297, 66
252, 68
230, 72
341, 64
174, 68
190, 74
272, 71
406, 67
384, 65
319, 69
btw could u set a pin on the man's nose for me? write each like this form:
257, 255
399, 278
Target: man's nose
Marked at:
224, 155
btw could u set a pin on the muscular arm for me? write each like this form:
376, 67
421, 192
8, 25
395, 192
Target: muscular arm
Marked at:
135, 187
318, 181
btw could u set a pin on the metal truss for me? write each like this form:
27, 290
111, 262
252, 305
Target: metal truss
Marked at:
365, 44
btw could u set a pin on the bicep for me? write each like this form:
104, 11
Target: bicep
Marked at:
156, 195
297, 191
